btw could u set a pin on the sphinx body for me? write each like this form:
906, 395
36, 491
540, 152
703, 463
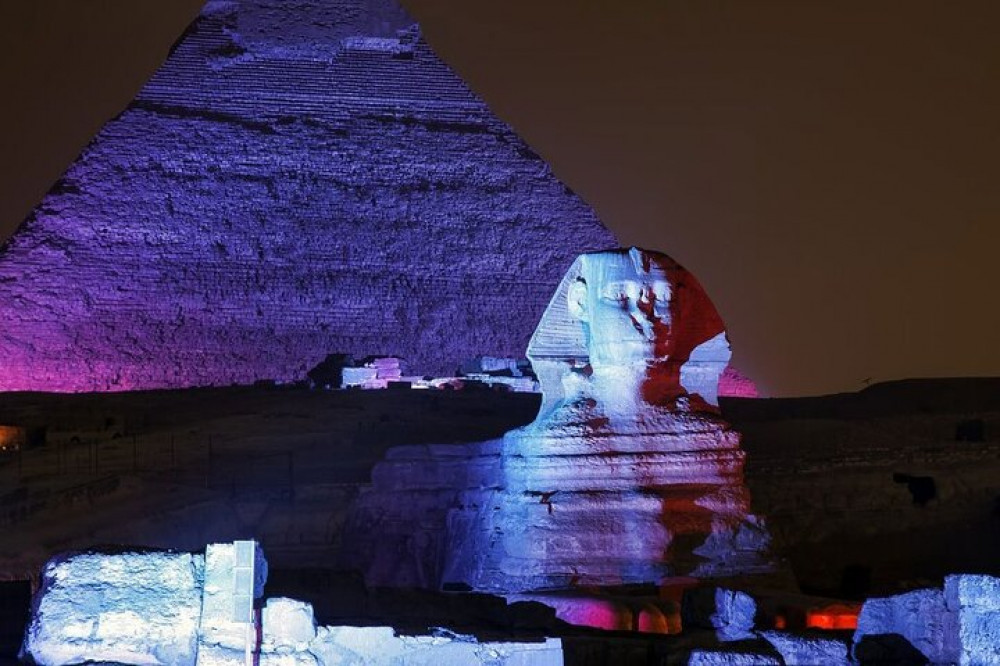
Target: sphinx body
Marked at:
627, 475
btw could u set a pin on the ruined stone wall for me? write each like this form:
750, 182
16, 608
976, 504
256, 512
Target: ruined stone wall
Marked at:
297, 179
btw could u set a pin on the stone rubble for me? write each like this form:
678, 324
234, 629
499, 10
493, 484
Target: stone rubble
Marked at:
959, 624
381, 645
811, 650
729, 613
176, 609
161, 608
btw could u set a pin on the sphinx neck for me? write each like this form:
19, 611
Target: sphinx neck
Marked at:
635, 389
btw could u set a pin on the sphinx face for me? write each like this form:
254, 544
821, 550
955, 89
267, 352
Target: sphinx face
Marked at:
623, 300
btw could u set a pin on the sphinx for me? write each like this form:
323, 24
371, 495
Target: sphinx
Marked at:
627, 475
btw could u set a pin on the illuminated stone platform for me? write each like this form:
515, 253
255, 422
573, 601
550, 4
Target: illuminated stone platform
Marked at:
180, 609
157, 608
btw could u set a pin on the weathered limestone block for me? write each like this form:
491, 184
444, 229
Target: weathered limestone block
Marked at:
960, 624
131, 607
297, 179
975, 600
223, 636
731, 656
346, 644
920, 617
380, 646
291, 659
809, 650
287, 625
729, 613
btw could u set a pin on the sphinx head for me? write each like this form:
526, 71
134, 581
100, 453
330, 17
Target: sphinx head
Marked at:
622, 300
635, 312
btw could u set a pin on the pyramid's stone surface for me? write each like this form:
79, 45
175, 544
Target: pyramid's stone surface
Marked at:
299, 178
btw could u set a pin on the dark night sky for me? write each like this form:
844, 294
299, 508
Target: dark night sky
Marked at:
829, 170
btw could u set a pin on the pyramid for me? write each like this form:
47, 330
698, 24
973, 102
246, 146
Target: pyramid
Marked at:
298, 179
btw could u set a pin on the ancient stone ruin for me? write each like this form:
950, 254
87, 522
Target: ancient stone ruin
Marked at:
297, 179
167, 608
628, 474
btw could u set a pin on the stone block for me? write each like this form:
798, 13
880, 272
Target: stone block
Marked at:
374, 643
220, 655
808, 650
177, 609
976, 602
131, 607
222, 635
733, 657
294, 659
729, 612
921, 617
972, 591
979, 638
380, 645
287, 624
